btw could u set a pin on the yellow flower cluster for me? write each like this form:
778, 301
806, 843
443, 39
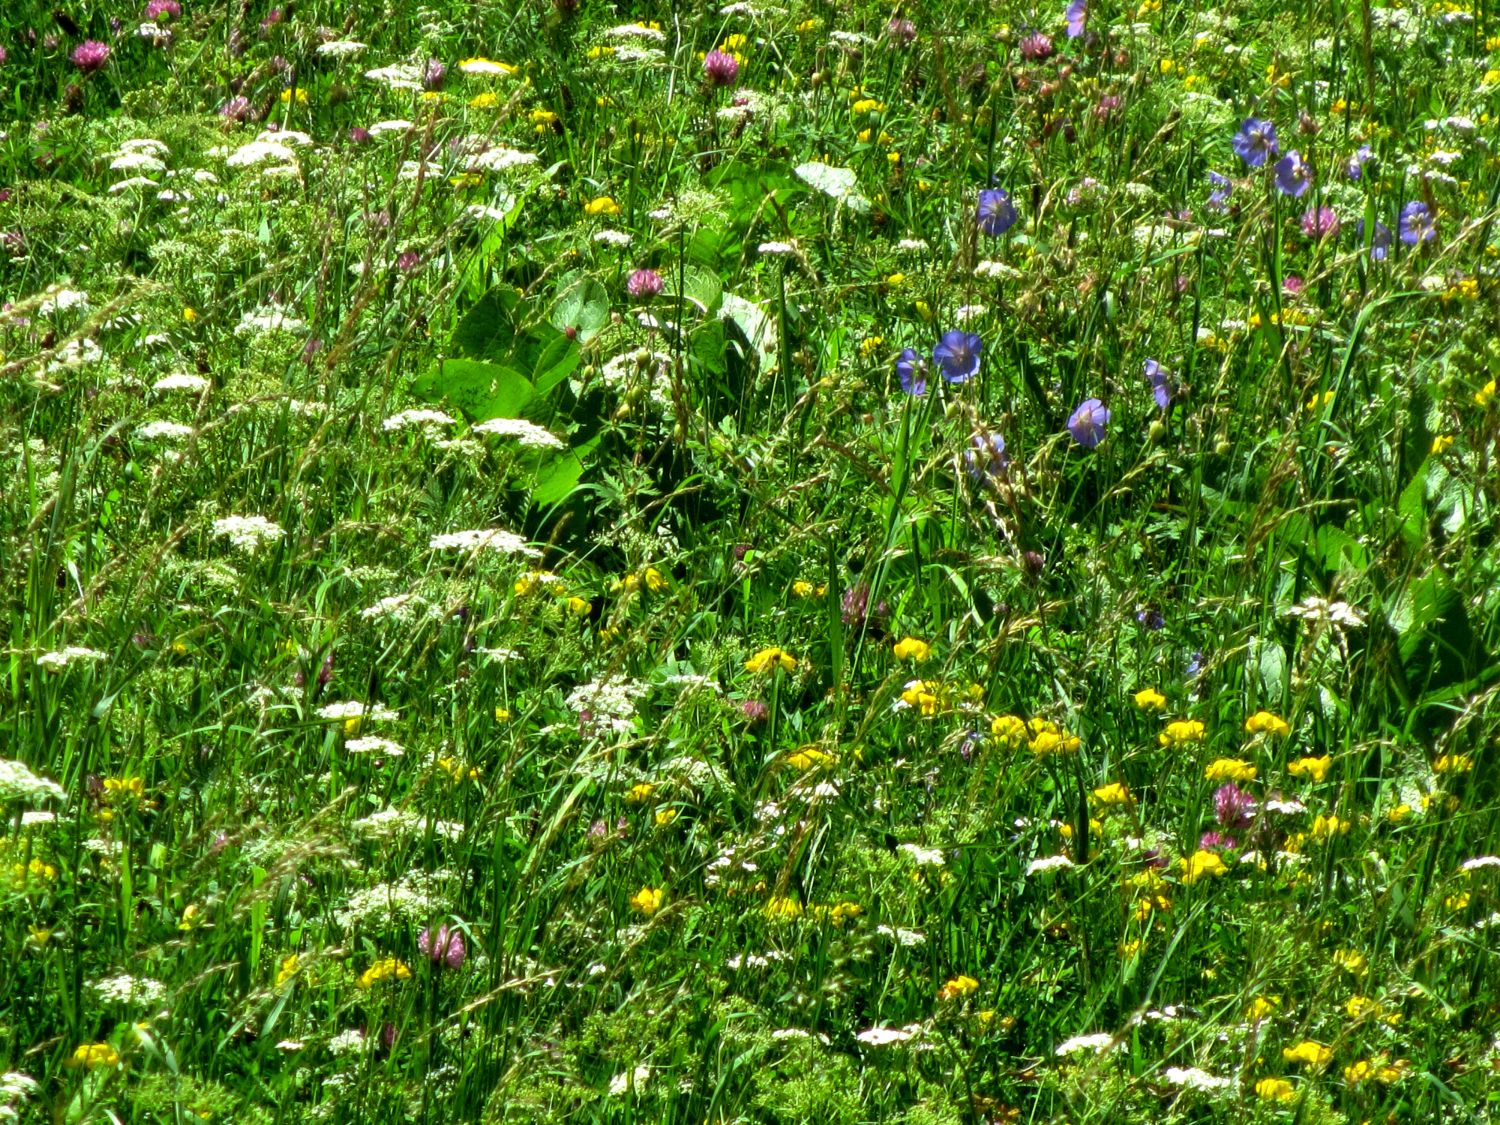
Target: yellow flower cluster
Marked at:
959, 988
1202, 864
457, 769
1149, 699
806, 757
601, 205
1275, 1090
1113, 794
1309, 1053
91, 1056
910, 648
648, 900
768, 659
1263, 722
1315, 768
1180, 732
387, 968
1229, 769
933, 696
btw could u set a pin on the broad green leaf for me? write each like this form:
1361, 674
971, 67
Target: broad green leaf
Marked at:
581, 304
482, 390
839, 184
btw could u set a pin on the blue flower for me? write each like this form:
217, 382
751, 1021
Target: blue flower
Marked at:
1218, 199
1293, 174
1355, 166
996, 214
1417, 223
1087, 422
1380, 245
1161, 387
957, 355
1255, 143
911, 369
987, 458
1078, 15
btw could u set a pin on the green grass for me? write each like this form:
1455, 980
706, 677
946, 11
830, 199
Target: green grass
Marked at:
712, 838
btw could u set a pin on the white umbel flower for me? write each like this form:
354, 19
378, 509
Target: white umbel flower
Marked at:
526, 433
18, 783
485, 539
247, 533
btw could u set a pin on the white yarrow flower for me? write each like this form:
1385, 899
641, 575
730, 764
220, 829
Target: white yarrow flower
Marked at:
73, 654
340, 48
923, 857
884, 1036
1098, 1042
527, 433
182, 381
628, 1079
409, 419
1048, 863
373, 744
247, 533
18, 783
354, 709
487, 539
1195, 1079
163, 431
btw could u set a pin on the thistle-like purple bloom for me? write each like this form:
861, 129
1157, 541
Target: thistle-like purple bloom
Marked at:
996, 213
1233, 807
644, 284
1320, 222
720, 67
1380, 244
90, 55
1087, 423
1255, 143
1078, 18
444, 947
1161, 385
1218, 199
1293, 175
1417, 223
911, 369
957, 355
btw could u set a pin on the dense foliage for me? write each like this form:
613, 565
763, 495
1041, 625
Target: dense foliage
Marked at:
774, 563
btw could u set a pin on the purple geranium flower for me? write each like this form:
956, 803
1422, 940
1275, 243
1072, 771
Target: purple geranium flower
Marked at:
1293, 174
1218, 199
996, 213
911, 369
1380, 245
1161, 387
1355, 167
1417, 223
1087, 422
957, 355
1078, 16
987, 458
1255, 143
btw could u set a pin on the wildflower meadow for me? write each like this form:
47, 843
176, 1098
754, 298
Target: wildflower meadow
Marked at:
778, 562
